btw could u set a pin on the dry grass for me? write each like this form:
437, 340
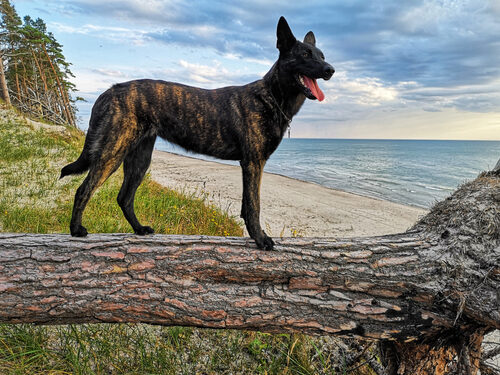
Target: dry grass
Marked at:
471, 213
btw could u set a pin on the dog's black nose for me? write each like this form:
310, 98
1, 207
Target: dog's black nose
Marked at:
328, 72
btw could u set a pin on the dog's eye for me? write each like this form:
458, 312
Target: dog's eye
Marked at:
307, 54
322, 57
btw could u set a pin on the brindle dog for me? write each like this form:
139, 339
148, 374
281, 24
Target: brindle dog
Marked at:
244, 123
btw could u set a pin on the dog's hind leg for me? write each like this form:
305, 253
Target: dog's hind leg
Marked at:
250, 209
135, 166
98, 174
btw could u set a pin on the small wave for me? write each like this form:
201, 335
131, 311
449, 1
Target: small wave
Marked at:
434, 187
382, 181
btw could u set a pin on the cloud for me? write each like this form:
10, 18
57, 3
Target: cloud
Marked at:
171, 13
366, 91
111, 33
436, 44
211, 76
217, 39
473, 98
441, 43
423, 56
145, 11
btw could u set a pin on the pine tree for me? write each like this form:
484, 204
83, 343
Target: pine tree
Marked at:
37, 74
9, 39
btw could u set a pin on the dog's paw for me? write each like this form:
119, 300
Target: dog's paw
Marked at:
141, 231
79, 231
265, 243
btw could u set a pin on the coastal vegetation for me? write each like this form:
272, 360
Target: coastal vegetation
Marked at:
34, 74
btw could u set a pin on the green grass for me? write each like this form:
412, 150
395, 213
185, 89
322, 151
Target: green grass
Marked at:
33, 199
143, 349
165, 210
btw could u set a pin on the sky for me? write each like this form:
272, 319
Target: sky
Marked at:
404, 69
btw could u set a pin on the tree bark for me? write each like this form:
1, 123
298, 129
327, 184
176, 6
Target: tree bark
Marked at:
3, 83
17, 83
429, 294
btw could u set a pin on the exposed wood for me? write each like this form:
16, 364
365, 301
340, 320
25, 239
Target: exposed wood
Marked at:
456, 352
51, 111
487, 369
429, 294
492, 353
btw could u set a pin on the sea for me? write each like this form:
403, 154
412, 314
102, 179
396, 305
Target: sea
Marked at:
411, 172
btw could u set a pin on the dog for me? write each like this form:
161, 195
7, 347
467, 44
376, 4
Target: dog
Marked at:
244, 123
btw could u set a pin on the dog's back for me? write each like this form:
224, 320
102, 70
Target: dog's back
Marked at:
212, 122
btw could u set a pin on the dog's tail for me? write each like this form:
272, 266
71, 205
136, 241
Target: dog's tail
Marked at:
82, 164
79, 166
93, 138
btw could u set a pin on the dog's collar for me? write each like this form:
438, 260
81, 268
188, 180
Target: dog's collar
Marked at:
288, 119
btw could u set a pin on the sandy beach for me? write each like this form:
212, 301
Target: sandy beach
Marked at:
288, 206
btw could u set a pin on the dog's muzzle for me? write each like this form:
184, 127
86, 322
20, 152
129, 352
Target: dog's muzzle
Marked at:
328, 72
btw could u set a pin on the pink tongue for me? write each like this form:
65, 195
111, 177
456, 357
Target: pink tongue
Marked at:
313, 86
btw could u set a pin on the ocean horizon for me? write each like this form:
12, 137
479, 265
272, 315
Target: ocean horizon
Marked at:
411, 172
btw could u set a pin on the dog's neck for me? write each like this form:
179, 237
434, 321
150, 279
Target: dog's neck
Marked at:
288, 99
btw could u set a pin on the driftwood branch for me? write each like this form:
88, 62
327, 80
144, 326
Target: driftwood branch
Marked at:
429, 294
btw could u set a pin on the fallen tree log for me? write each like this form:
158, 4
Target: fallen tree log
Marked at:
429, 294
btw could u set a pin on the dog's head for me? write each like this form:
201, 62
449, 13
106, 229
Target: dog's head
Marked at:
302, 62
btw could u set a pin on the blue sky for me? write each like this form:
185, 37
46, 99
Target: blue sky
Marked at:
404, 69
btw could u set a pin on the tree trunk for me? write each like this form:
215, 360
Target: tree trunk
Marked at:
429, 294
65, 100
18, 96
3, 84
40, 70
24, 84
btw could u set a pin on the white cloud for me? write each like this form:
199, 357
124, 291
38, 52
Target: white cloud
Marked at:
364, 91
205, 73
251, 60
89, 81
111, 73
92, 80
111, 33
210, 76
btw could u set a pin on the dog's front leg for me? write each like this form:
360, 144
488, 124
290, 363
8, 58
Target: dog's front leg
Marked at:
250, 209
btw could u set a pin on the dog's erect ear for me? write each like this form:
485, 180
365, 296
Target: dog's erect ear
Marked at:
286, 40
310, 39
